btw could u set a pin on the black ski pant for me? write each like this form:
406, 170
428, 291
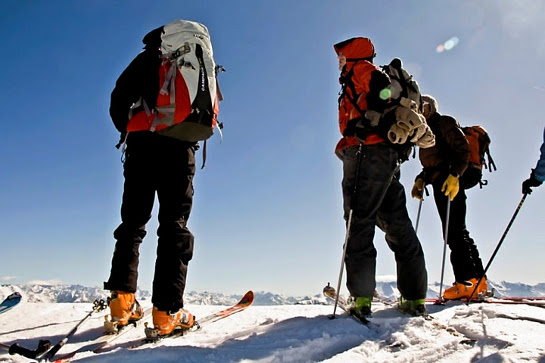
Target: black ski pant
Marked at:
464, 255
166, 166
379, 200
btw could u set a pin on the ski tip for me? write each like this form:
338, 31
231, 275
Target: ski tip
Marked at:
329, 290
248, 298
15, 295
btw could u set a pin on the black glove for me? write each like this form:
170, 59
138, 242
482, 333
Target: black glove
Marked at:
529, 183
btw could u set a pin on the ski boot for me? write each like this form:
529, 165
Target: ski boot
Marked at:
165, 323
124, 310
361, 307
412, 307
464, 290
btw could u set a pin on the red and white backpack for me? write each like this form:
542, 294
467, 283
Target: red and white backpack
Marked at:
188, 101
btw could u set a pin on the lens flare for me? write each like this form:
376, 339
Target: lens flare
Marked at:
451, 43
385, 94
448, 45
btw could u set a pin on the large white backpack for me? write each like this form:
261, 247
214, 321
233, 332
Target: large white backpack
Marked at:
188, 101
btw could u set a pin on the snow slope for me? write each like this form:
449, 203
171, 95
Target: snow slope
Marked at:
300, 333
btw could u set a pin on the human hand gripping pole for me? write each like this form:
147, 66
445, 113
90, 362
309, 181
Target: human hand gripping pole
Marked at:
420, 206
529, 183
418, 189
451, 186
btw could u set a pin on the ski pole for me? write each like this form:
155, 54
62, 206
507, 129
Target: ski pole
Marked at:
497, 247
419, 209
43, 352
440, 300
418, 217
347, 235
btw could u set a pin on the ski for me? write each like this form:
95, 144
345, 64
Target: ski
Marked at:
427, 317
10, 302
329, 292
111, 334
522, 298
152, 337
44, 351
515, 301
342, 302
532, 301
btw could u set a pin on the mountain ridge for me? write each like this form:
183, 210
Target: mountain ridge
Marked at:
64, 293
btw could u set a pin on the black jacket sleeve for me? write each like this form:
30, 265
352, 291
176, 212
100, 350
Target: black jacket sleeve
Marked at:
139, 79
457, 146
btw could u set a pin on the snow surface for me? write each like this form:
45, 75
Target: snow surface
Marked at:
298, 333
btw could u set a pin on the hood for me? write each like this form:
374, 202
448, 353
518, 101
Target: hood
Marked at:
356, 49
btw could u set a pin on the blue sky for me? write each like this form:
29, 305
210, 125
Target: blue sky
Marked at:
267, 211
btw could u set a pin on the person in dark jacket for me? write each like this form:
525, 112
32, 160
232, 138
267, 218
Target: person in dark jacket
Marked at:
154, 164
373, 195
537, 176
443, 164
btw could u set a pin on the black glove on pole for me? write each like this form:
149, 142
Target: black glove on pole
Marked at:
529, 183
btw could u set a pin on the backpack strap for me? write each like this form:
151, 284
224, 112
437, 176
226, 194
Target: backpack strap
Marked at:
348, 83
490, 161
170, 80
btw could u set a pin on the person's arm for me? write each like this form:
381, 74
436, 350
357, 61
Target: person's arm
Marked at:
139, 79
539, 171
537, 176
457, 145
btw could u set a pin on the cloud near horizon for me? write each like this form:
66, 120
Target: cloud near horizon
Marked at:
44, 282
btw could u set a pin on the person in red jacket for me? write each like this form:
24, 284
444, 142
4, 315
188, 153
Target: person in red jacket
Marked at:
373, 195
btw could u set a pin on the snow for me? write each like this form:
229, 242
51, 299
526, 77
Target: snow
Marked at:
298, 333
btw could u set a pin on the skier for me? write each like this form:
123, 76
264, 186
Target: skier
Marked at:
372, 193
537, 176
159, 164
443, 164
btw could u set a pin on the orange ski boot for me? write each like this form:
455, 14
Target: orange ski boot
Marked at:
124, 308
165, 322
465, 289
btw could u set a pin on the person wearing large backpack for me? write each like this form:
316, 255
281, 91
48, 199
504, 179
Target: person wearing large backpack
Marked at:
372, 192
443, 165
537, 176
148, 98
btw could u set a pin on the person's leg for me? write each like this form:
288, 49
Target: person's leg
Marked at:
136, 207
175, 244
376, 169
463, 265
393, 219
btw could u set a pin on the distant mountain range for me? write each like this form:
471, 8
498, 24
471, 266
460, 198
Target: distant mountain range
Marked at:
78, 293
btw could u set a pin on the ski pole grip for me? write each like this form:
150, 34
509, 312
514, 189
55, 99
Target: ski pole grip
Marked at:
43, 346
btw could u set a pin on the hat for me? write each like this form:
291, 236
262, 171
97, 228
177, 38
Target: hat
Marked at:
434, 106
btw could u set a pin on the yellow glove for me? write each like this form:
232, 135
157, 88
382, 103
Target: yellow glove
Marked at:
451, 186
418, 189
